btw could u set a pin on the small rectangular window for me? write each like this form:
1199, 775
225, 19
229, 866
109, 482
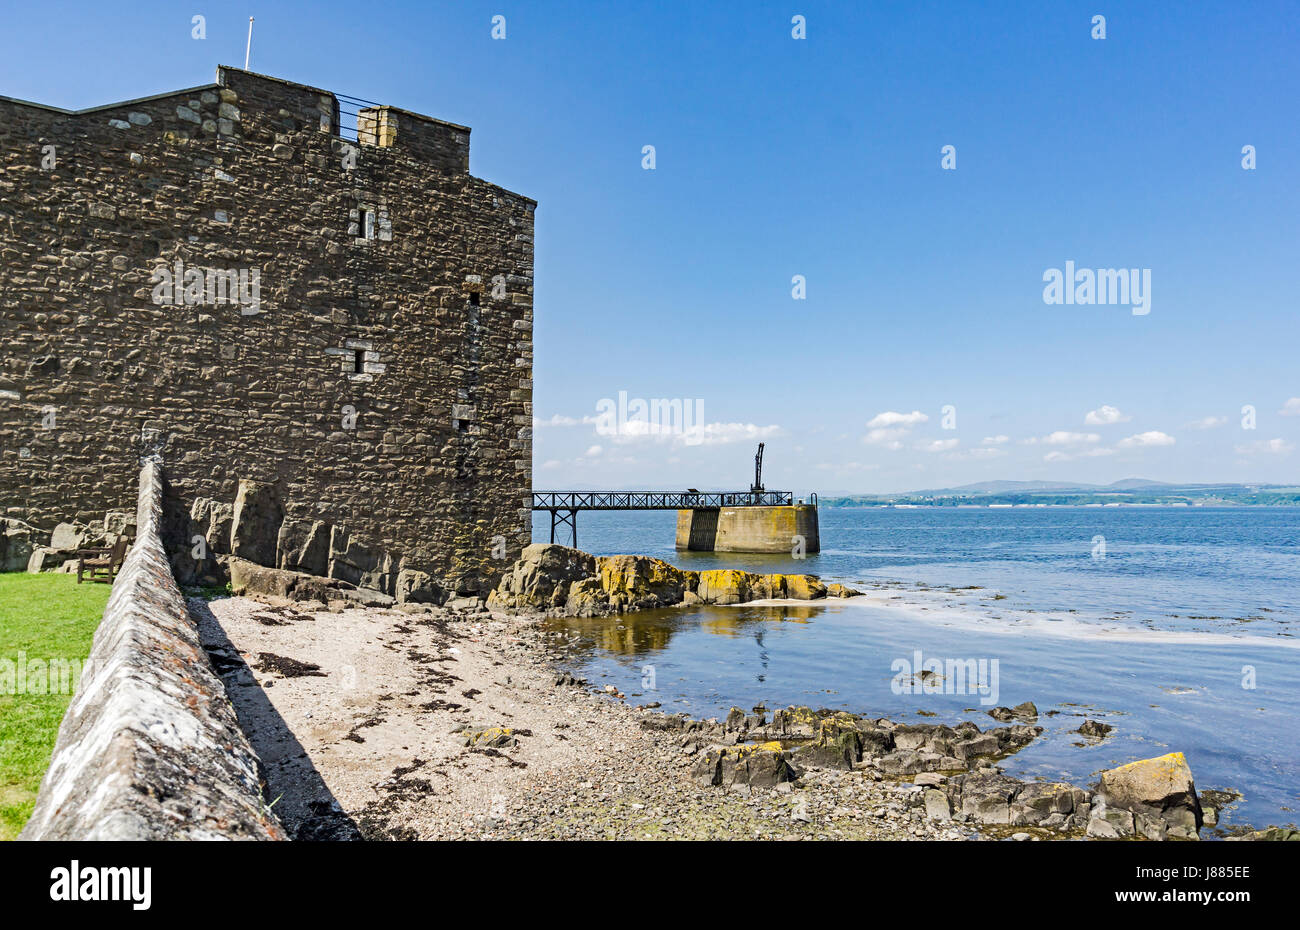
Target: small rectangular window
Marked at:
474, 298
367, 225
358, 361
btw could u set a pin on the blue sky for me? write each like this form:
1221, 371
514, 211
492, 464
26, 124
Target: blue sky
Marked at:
821, 157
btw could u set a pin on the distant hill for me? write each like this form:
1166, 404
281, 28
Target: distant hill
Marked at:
1128, 483
1049, 493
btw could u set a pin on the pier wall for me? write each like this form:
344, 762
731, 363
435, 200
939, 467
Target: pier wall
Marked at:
748, 529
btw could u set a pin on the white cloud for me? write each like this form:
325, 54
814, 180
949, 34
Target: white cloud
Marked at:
986, 453
705, 434
889, 438
1207, 423
1150, 438
1291, 408
1065, 438
717, 434
1104, 416
889, 427
552, 463
556, 420
994, 440
893, 418
593, 451
1266, 447
939, 445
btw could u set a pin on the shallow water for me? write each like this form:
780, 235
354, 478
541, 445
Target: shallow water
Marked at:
1161, 638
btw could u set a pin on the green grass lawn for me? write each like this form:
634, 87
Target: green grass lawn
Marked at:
46, 616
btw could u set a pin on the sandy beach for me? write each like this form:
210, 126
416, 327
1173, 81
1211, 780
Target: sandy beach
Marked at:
361, 717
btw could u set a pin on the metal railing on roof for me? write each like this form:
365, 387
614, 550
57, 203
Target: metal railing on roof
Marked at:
349, 109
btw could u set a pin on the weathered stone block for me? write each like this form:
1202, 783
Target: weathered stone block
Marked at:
417, 587
304, 547
255, 527
47, 559
69, 536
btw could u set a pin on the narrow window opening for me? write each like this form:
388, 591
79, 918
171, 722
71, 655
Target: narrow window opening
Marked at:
367, 223
474, 298
358, 360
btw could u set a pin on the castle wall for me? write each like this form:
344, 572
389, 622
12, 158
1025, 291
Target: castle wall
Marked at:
380, 387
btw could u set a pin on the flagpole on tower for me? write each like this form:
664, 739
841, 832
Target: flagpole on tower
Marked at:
248, 49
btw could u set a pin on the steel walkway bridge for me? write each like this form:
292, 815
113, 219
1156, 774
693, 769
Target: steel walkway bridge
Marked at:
564, 505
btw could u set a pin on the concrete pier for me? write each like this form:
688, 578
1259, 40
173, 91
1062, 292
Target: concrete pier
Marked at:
748, 529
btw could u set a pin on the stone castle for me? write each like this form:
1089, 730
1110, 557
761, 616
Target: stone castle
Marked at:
329, 342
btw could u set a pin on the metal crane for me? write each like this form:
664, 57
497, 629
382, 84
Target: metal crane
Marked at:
757, 486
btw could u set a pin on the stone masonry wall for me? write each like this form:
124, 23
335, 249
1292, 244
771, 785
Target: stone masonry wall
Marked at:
150, 748
377, 389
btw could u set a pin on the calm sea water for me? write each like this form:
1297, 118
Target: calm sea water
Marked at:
1181, 636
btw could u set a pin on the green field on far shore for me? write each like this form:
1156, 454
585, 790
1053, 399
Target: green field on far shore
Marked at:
47, 622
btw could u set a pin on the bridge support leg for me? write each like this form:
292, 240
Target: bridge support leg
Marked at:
558, 518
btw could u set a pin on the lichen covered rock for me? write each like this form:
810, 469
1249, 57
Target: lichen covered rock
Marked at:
638, 582
1159, 793
542, 577
759, 765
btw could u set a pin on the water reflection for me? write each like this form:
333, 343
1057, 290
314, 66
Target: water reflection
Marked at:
1159, 695
645, 632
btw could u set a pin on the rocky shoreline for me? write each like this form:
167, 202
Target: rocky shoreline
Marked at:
426, 722
565, 582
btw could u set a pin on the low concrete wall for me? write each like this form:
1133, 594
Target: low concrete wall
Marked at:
150, 748
748, 529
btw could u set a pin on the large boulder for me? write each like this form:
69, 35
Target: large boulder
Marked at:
1036, 802
417, 587
986, 796
383, 576
762, 765
248, 578
804, 587
70, 537
586, 598
117, 523
47, 558
542, 577
17, 542
733, 586
837, 743
304, 547
356, 561
726, 586
209, 524
255, 527
1159, 794
638, 582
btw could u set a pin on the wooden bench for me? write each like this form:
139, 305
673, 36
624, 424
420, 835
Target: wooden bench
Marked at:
101, 564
